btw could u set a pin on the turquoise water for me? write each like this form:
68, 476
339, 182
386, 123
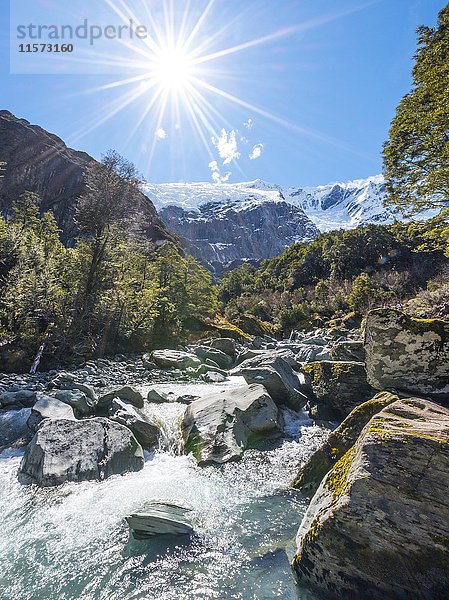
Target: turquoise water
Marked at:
73, 542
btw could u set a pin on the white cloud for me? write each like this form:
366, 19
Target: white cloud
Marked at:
244, 139
215, 173
256, 151
226, 145
161, 134
248, 124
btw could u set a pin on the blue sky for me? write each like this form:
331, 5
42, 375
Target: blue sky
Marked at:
310, 104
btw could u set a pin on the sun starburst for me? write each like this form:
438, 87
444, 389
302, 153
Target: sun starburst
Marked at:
177, 67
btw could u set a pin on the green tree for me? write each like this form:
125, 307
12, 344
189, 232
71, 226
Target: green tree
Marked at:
416, 156
362, 295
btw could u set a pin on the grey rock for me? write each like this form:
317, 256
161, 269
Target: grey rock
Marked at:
92, 449
17, 399
148, 363
226, 345
277, 376
308, 352
48, 407
213, 377
145, 431
82, 404
67, 381
160, 519
223, 360
14, 431
348, 350
220, 426
157, 397
126, 393
203, 369
378, 525
406, 353
175, 359
186, 398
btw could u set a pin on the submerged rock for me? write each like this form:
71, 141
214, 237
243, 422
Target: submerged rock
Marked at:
337, 388
338, 443
407, 353
220, 426
175, 359
277, 376
66, 450
378, 526
160, 519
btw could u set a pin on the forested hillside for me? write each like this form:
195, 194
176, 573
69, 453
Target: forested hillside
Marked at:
341, 275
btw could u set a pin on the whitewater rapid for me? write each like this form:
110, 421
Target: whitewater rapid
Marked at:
72, 541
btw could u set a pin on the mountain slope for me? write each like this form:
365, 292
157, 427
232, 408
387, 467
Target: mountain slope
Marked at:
223, 225
40, 162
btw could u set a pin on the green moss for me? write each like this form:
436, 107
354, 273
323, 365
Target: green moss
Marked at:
339, 442
194, 445
421, 326
337, 480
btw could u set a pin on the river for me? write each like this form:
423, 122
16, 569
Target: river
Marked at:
73, 542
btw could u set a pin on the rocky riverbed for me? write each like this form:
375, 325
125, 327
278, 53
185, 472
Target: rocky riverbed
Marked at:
239, 433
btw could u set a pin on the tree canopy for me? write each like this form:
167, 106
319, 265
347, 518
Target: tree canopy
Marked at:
416, 155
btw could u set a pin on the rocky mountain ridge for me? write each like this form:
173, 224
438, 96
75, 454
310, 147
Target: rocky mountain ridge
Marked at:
226, 224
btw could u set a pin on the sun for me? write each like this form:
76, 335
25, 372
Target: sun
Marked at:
173, 69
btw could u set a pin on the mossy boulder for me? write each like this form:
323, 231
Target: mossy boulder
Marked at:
338, 443
337, 387
378, 525
407, 353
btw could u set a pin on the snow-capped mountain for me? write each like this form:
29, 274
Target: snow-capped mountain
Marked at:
224, 224
344, 205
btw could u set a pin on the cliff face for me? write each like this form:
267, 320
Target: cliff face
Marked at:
220, 235
40, 162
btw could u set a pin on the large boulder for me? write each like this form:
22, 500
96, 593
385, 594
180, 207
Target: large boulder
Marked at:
406, 353
378, 526
338, 443
224, 361
68, 381
145, 431
337, 388
175, 359
277, 376
48, 407
220, 426
66, 450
